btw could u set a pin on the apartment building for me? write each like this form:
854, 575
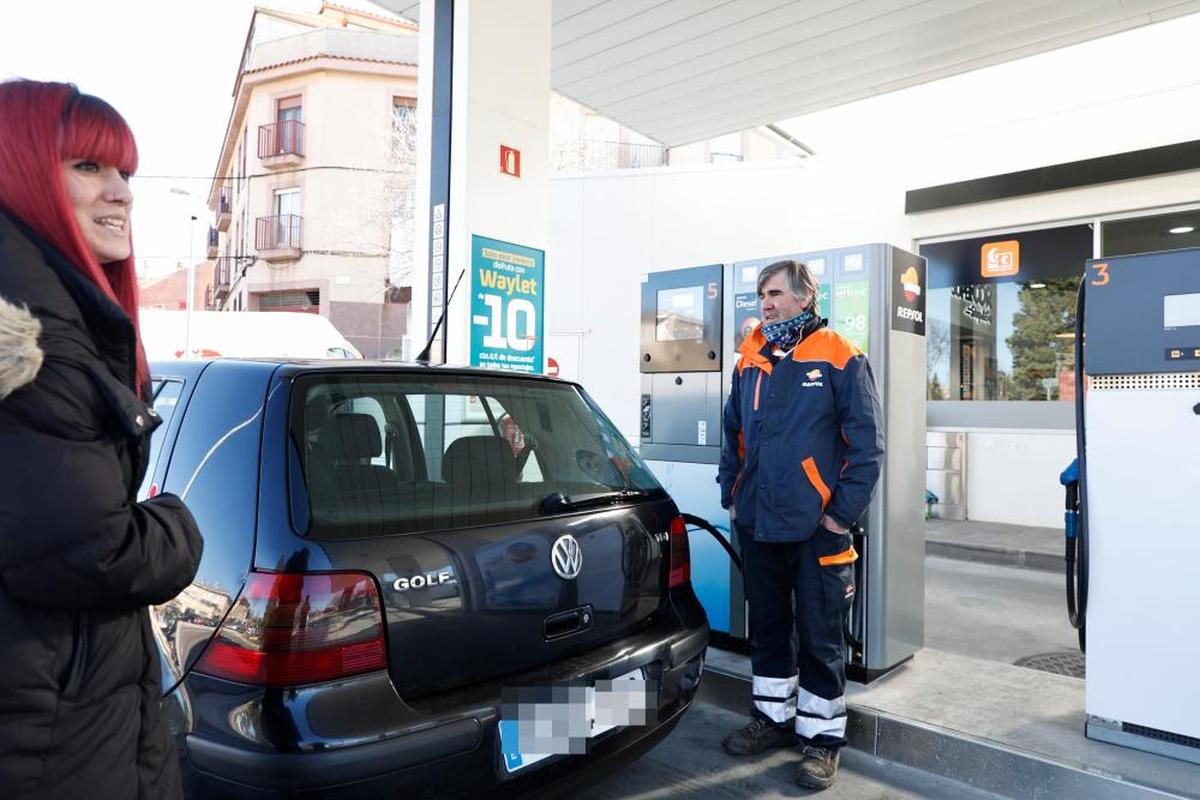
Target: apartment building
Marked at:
312, 201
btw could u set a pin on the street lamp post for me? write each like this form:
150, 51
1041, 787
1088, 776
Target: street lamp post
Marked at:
191, 288
191, 276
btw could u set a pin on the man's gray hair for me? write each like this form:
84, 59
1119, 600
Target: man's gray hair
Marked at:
799, 280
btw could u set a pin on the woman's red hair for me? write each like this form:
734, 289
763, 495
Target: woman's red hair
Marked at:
41, 125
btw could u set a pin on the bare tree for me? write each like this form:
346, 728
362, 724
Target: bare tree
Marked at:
378, 223
400, 188
937, 345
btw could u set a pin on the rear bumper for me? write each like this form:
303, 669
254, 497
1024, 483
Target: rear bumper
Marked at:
442, 746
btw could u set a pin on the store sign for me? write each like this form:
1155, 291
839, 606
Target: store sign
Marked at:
506, 305
976, 302
1000, 259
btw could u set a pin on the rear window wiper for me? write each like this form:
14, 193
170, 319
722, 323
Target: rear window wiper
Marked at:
559, 502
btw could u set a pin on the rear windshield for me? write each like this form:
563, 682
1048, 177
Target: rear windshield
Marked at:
375, 455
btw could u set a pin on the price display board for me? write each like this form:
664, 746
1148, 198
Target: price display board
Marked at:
852, 311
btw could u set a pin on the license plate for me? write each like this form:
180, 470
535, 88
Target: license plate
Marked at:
561, 720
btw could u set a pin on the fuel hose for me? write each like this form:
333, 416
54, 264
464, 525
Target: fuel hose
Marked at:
1077, 545
703, 524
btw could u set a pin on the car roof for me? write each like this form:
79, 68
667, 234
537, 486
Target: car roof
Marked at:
190, 369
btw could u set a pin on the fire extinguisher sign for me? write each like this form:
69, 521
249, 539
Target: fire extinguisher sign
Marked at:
506, 305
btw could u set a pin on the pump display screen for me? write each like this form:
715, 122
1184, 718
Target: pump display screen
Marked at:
1181, 310
680, 315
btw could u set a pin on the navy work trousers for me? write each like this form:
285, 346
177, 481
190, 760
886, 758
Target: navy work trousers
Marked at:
799, 593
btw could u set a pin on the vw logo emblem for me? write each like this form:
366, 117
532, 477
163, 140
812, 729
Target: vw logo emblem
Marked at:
567, 557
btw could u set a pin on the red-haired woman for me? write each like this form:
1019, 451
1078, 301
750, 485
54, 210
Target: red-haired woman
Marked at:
80, 559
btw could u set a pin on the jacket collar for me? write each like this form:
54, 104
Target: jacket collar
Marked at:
756, 350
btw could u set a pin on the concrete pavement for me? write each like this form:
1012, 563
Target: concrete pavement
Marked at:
690, 765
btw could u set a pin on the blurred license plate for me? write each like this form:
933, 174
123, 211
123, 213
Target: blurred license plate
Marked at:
561, 720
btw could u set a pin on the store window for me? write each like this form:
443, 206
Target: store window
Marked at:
1150, 234
1000, 314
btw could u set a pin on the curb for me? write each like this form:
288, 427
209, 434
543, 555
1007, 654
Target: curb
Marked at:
979, 763
1001, 556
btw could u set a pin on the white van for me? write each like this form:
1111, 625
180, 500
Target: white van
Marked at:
242, 334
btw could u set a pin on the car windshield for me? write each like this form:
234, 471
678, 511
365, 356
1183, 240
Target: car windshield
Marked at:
377, 455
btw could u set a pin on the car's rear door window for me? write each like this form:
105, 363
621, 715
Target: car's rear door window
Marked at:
166, 400
388, 454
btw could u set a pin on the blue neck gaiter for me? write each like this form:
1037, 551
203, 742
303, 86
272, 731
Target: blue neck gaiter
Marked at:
786, 333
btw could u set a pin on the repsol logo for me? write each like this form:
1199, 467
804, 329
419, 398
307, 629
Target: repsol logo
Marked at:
424, 581
910, 313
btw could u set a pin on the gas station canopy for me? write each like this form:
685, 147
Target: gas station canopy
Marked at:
683, 71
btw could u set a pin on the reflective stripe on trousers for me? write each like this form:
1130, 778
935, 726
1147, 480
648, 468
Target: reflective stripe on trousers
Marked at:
816, 716
775, 698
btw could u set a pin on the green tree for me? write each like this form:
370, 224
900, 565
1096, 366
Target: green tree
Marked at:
1039, 343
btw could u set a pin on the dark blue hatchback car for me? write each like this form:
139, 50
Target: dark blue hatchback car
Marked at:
417, 582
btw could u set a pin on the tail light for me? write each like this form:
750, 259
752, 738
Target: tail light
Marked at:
289, 629
681, 556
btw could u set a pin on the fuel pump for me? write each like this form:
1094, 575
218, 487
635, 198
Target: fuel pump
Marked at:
1138, 573
692, 321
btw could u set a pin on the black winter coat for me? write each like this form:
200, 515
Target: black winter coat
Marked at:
80, 559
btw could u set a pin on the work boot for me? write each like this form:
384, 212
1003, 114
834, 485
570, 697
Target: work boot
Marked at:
758, 737
818, 767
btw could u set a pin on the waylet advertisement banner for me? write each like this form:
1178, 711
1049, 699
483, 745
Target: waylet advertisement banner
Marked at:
506, 305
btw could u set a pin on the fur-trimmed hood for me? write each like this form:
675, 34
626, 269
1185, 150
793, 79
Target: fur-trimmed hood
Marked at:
20, 355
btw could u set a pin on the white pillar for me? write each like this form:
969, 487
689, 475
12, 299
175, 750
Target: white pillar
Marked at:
501, 96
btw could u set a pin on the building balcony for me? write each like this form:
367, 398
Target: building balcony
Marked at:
224, 209
278, 238
281, 144
594, 155
222, 279
636, 155
214, 242
724, 158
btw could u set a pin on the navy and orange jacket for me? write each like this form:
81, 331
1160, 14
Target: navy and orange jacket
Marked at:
803, 436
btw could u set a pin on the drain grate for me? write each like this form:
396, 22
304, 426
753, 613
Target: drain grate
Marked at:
1062, 663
